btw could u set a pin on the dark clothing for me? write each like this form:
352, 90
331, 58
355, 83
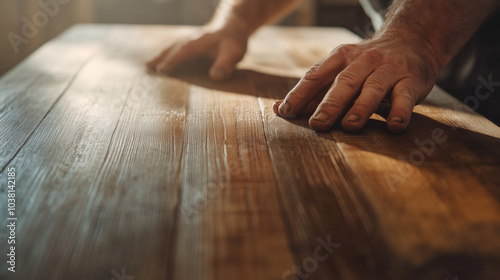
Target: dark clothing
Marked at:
477, 62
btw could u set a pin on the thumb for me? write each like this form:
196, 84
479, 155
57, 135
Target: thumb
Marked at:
225, 63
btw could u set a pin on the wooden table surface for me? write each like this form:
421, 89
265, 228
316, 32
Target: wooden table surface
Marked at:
121, 173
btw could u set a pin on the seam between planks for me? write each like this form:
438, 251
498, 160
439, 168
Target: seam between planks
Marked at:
286, 223
176, 213
30, 84
113, 135
48, 111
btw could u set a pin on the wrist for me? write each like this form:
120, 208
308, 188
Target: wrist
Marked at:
423, 45
231, 23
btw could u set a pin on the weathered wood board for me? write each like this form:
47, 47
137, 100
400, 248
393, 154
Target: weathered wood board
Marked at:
120, 172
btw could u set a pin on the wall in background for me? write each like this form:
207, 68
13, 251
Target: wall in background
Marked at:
27, 24
191, 12
343, 13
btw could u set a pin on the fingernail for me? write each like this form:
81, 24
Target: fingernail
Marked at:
285, 107
276, 106
284, 110
353, 118
322, 117
218, 74
397, 119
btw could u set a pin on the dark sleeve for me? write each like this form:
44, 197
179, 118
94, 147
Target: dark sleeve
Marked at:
375, 10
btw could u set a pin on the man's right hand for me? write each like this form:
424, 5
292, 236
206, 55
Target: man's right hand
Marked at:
224, 45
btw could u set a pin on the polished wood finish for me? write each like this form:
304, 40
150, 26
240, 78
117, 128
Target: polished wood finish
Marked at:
180, 177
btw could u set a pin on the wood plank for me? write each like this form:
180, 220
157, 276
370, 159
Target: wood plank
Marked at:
413, 248
229, 204
183, 178
31, 89
62, 166
322, 197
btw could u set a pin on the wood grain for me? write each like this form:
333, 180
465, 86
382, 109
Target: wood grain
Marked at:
122, 171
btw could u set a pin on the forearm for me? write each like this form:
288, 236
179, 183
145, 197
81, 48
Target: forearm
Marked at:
442, 27
249, 15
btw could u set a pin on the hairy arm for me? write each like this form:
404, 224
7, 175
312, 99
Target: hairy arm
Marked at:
442, 26
399, 64
224, 39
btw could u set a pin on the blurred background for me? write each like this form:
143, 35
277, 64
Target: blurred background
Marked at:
51, 17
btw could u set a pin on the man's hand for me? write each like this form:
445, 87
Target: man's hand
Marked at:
354, 80
225, 46
224, 39
400, 64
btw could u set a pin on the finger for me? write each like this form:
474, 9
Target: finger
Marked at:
340, 95
307, 111
276, 105
319, 76
230, 53
178, 54
311, 107
374, 89
154, 62
403, 102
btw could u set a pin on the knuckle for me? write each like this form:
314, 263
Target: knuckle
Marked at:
299, 93
198, 35
349, 79
364, 106
405, 92
197, 41
375, 84
165, 51
330, 105
372, 55
187, 46
344, 49
313, 74
394, 60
